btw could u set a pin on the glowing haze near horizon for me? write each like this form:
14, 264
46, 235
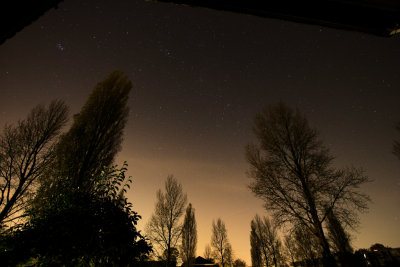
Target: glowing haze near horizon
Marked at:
199, 78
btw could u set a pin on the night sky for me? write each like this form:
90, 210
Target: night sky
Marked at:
200, 76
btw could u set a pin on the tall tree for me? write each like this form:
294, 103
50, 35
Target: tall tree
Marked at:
255, 247
222, 249
25, 152
164, 228
189, 236
292, 173
267, 239
338, 236
93, 139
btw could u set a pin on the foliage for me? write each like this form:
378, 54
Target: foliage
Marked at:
189, 237
292, 174
239, 263
25, 152
222, 249
90, 229
164, 228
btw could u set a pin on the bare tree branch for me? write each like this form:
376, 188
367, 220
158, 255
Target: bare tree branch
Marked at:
164, 228
25, 152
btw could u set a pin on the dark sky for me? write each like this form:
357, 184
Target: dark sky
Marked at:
199, 77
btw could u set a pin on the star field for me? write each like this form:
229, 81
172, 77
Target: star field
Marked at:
199, 78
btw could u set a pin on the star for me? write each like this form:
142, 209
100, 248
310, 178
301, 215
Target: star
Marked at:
60, 47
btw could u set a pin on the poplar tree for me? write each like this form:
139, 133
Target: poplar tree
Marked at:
338, 236
255, 247
222, 249
189, 237
91, 143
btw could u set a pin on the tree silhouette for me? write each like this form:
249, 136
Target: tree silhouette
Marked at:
256, 248
92, 141
266, 237
90, 229
239, 263
292, 174
222, 249
189, 237
338, 236
80, 215
164, 228
25, 152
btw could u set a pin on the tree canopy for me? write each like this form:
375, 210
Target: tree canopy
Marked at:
292, 173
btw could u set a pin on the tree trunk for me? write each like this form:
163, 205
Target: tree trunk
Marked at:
328, 259
10, 203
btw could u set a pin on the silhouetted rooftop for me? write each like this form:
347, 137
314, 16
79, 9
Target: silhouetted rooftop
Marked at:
17, 14
379, 17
